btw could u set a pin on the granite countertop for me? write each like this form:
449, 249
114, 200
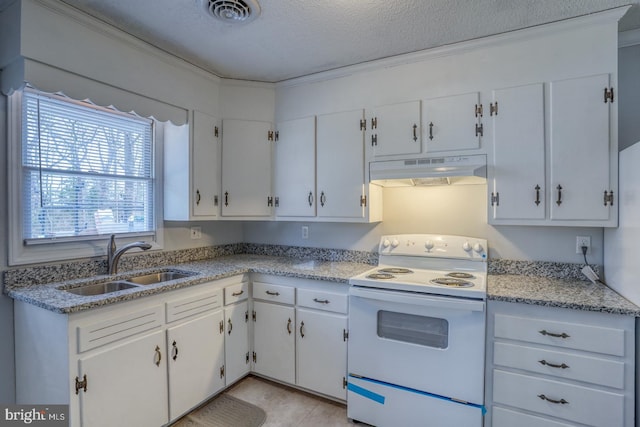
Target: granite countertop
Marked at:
552, 292
48, 296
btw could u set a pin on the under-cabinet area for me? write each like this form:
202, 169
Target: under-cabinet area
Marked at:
550, 366
181, 347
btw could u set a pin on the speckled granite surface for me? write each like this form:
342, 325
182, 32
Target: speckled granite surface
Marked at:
556, 270
553, 292
50, 297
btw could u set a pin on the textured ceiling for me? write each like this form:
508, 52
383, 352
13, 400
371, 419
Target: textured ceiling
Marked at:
292, 38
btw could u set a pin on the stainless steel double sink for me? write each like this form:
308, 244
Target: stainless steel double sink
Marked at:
128, 283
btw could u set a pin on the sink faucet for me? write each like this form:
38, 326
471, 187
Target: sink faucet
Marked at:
113, 255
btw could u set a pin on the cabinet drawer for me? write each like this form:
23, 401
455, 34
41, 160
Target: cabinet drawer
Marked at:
274, 293
581, 404
322, 300
561, 334
560, 364
107, 331
503, 417
196, 304
235, 293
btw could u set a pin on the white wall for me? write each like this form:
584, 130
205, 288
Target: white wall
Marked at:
629, 96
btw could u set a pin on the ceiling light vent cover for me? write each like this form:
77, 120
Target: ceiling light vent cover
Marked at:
232, 11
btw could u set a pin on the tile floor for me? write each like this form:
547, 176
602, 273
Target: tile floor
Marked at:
287, 407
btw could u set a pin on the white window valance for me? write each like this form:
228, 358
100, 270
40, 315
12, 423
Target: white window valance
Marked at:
50, 79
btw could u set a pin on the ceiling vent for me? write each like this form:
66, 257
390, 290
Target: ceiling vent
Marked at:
232, 11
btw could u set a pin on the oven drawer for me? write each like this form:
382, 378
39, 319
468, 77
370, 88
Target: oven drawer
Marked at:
560, 364
560, 334
570, 402
274, 293
322, 300
503, 417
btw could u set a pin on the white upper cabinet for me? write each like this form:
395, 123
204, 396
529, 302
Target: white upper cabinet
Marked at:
191, 169
518, 185
340, 163
452, 123
395, 129
295, 168
246, 168
580, 151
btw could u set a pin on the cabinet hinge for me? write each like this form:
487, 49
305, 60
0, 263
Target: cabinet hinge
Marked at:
247, 358
493, 108
253, 315
374, 139
222, 371
344, 382
363, 200
273, 135
374, 123
276, 202
479, 129
255, 357
608, 95
215, 200
478, 110
608, 198
269, 201
222, 326
363, 124
345, 335
215, 131
495, 199
81, 384
246, 318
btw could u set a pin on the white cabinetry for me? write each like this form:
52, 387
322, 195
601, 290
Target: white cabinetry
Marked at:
236, 315
395, 129
559, 367
246, 168
452, 123
191, 169
577, 184
295, 168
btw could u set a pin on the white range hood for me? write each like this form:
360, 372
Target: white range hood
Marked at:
447, 170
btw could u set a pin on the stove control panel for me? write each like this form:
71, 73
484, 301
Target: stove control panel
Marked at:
434, 246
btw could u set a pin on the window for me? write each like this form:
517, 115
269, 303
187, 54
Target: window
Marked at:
83, 173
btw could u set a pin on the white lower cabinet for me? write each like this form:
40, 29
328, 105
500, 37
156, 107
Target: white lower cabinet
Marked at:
237, 337
558, 367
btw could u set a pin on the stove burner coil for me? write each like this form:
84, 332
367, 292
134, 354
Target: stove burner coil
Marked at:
453, 282
461, 275
380, 276
395, 270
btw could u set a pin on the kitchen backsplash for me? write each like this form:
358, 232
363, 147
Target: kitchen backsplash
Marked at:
52, 273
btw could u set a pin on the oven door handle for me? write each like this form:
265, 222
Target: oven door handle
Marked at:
418, 299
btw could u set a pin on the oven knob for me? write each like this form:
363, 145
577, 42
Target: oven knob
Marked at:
395, 243
386, 243
466, 246
429, 245
478, 248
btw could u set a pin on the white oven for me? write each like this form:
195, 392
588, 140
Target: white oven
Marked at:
416, 354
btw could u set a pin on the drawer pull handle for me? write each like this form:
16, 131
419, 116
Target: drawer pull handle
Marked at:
174, 350
236, 294
289, 326
272, 293
301, 330
557, 402
551, 334
552, 365
158, 356
321, 301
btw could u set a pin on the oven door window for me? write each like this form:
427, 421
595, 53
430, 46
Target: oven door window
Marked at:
411, 328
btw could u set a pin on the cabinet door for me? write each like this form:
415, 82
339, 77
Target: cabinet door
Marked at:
126, 384
246, 168
450, 123
395, 129
236, 341
273, 341
205, 165
580, 149
295, 168
518, 186
322, 352
195, 353
340, 162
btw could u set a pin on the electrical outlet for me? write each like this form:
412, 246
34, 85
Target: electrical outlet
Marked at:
196, 233
583, 241
305, 232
